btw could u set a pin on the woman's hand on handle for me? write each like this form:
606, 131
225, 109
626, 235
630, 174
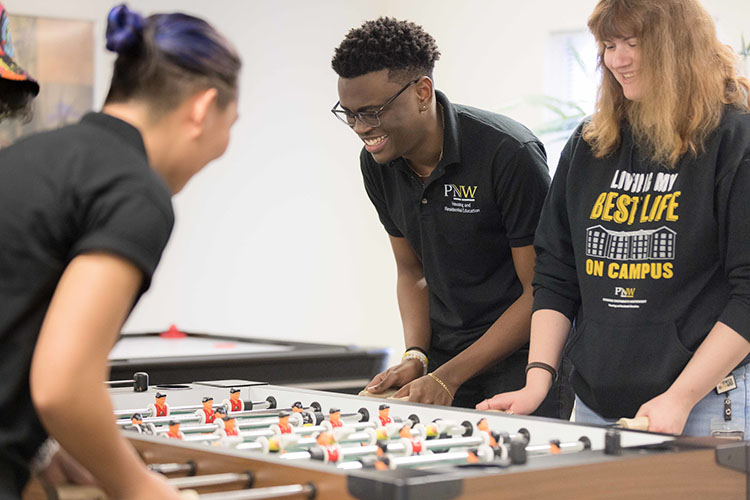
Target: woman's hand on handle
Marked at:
521, 402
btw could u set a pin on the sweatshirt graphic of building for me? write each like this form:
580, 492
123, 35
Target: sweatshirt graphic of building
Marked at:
644, 244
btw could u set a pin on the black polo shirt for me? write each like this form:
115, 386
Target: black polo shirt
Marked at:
82, 188
482, 199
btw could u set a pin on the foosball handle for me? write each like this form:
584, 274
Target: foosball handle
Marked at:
636, 424
70, 492
139, 382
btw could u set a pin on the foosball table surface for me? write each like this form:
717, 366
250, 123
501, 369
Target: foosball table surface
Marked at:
642, 465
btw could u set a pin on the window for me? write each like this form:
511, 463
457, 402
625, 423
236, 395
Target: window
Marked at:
571, 82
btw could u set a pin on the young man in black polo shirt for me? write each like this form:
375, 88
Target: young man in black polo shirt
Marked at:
459, 191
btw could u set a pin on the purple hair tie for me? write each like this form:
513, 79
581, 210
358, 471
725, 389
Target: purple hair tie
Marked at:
124, 29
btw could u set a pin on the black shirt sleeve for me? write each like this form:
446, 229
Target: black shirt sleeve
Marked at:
521, 188
555, 279
374, 187
733, 214
126, 216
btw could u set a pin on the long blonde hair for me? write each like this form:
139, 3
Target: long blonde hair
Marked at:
686, 73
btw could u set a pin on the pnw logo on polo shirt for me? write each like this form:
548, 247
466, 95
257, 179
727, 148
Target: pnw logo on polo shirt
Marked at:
461, 198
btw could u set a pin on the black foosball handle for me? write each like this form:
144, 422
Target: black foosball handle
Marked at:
139, 382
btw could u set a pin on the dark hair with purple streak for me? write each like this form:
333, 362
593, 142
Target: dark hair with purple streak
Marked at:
164, 58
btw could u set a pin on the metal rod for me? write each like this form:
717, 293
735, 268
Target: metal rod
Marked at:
438, 458
165, 469
172, 410
263, 493
128, 413
119, 382
185, 417
548, 449
211, 480
459, 442
251, 446
188, 429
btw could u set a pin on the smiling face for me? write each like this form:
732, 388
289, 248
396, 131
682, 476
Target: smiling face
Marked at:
622, 57
401, 128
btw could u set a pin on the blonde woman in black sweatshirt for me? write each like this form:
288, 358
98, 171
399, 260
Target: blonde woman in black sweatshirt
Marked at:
643, 254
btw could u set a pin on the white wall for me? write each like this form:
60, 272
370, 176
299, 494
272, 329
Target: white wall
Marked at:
277, 238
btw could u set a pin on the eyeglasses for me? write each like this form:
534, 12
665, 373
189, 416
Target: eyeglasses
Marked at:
368, 118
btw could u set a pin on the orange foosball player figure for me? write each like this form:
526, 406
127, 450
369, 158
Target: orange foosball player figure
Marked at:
208, 409
330, 448
230, 429
284, 426
384, 412
174, 430
161, 408
484, 426
235, 403
334, 417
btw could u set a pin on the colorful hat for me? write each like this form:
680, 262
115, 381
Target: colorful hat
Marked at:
9, 69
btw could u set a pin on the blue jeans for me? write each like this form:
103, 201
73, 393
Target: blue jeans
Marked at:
706, 416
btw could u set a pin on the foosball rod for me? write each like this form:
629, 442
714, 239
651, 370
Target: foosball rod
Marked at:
265, 406
183, 483
249, 423
484, 454
139, 382
556, 447
295, 490
188, 467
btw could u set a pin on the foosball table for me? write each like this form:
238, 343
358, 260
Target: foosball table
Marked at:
237, 439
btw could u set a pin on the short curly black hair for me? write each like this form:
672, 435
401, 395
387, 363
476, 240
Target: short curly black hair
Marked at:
401, 47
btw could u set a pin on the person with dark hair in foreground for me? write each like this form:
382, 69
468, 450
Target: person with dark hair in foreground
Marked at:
85, 213
643, 241
459, 191
17, 87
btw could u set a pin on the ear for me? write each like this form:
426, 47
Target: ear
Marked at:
198, 108
425, 91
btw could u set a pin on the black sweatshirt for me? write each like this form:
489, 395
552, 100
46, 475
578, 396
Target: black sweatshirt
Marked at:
645, 260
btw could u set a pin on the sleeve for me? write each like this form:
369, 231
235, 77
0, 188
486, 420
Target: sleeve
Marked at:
374, 189
129, 220
555, 280
733, 212
520, 191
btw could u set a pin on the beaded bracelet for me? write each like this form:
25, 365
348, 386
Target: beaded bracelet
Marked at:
416, 348
419, 356
44, 455
442, 384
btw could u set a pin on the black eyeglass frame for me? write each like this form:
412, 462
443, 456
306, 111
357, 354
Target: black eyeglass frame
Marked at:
344, 114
